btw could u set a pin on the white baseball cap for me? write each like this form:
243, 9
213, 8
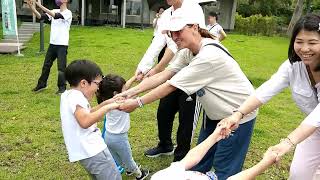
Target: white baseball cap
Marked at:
183, 16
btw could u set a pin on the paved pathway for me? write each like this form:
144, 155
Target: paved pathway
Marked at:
9, 44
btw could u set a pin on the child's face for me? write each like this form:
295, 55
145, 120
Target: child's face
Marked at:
90, 89
211, 19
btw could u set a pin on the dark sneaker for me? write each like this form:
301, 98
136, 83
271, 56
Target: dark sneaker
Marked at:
39, 88
157, 151
61, 90
128, 173
145, 173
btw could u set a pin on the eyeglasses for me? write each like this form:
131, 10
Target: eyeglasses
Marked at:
97, 82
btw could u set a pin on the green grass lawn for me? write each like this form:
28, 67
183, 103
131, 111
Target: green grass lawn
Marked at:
31, 142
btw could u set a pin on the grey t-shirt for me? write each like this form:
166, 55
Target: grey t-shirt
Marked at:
215, 77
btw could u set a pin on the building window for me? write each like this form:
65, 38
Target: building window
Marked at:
133, 7
108, 6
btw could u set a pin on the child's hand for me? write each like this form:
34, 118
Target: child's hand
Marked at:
129, 105
270, 156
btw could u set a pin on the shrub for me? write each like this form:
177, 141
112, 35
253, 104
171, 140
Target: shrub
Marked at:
256, 25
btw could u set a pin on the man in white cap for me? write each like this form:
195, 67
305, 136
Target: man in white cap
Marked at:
177, 101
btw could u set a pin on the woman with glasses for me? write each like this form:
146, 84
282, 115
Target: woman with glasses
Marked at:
203, 66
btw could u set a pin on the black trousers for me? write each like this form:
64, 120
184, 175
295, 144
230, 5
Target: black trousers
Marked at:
58, 52
168, 107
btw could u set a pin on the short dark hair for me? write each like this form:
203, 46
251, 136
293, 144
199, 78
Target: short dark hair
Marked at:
109, 84
82, 69
160, 8
309, 22
214, 14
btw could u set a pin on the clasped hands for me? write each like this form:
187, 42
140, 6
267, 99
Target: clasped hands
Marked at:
126, 101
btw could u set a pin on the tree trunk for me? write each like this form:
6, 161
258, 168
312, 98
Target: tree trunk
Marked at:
296, 15
308, 4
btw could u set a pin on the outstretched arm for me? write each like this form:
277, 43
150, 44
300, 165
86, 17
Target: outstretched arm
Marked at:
247, 107
168, 55
195, 155
33, 8
46, 10
294, 138
87, 119
251, 173
147, 84
161, 91
129, 83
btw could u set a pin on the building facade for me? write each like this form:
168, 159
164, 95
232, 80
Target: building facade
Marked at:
137, 12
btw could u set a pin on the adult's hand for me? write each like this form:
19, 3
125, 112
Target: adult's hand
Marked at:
152, 72
270, 156
281, 149
231, 122
130, 93
139, 75
129, 105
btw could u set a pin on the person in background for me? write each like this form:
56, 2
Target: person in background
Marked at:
214, 28
59, 41
156, 21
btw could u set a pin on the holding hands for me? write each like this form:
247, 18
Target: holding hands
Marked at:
282, 148
232, 122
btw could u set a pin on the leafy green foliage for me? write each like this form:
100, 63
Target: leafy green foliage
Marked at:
31, 141
282, 9
256, 25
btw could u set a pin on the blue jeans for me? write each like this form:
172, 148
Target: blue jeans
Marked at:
228, 155
119, 147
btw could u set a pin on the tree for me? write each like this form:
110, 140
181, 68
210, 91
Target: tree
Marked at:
296, 15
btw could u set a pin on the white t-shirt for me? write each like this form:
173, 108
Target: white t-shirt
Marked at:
215, 30
117, 122
81, 143
296, 77
215, 77
160, 40
176, 171
59, 34
157, 22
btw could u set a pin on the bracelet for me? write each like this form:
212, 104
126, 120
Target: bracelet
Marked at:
237, 110
140, 103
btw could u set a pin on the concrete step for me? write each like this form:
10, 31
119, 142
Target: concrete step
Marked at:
20, 39
13, 41
11, 44
10, 49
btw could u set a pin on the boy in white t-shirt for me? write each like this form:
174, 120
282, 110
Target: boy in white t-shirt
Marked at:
59, 41
117, 125
79, 121
214, 28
